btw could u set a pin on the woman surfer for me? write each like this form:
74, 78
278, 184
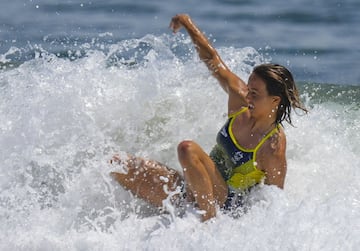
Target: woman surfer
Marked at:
250, 146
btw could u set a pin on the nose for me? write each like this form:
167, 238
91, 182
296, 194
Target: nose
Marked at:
247, 97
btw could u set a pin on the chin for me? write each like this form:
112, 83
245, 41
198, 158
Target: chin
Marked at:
252, 113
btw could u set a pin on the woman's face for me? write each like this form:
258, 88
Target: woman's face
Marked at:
260, 103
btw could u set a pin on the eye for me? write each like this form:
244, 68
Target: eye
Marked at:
253, 94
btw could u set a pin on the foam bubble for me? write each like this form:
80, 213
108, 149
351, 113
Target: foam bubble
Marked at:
62, 119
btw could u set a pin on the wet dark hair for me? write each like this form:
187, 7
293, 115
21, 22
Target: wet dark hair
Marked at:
280, 82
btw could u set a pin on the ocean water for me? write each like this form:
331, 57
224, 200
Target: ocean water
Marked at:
82, 80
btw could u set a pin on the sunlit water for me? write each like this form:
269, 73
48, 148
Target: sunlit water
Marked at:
61, 120
82, 80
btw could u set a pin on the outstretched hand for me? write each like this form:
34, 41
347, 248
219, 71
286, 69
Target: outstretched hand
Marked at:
177, 22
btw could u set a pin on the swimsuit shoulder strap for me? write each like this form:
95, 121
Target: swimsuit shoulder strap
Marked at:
267, 136
234, 115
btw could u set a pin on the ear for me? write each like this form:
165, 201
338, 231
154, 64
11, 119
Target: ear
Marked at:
276, 100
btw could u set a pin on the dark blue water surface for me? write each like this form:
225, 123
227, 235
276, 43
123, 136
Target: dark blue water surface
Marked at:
318, 40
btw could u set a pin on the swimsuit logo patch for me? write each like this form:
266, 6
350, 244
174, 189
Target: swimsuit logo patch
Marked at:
237, 156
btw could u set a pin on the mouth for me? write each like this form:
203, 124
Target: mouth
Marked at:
251, 106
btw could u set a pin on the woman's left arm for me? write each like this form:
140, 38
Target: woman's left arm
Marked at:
273, 161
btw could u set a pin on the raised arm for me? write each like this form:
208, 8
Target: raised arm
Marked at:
231, 83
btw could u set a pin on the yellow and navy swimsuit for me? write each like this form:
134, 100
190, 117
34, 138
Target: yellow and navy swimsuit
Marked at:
236, 164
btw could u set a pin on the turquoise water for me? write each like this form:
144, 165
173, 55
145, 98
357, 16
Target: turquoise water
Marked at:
81, 81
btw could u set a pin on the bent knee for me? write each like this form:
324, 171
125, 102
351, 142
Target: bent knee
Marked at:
185, 148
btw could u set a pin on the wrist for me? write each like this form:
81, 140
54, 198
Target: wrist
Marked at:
184, 18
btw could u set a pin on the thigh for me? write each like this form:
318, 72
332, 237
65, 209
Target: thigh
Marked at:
191, 150
220, 188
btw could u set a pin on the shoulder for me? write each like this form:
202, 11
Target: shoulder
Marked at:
272, 160
277, 142
241, 111
273, 150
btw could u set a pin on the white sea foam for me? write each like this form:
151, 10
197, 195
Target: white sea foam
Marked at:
62, 120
